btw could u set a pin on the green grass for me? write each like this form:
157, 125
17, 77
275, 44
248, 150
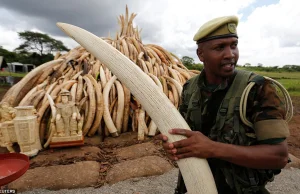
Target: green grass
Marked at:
290, 80
291, 85
6, 73
280, 75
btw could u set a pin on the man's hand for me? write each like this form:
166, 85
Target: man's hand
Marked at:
262, 156
196, 145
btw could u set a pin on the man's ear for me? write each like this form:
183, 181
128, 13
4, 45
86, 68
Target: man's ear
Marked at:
200, 54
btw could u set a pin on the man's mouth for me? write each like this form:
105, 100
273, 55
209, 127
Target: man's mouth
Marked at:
228, 66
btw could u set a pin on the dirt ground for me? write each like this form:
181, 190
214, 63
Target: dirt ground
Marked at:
294, 124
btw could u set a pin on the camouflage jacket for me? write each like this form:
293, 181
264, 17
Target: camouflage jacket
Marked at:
264, 109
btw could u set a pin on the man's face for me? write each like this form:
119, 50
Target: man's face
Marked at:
65, 99
219, 56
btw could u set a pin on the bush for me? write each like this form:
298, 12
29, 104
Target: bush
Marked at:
291, 89
198, 67
286, 68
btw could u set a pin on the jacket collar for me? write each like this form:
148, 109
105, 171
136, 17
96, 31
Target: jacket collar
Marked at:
202, 83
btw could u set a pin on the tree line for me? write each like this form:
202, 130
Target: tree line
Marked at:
37, 48
190, 64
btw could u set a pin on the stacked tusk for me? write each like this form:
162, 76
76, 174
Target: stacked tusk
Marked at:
107, 106
144, 98
196, 173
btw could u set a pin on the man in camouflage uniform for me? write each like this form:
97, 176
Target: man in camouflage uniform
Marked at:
242, 159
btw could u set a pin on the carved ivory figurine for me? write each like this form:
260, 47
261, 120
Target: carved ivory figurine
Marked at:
66, 125
7, 130
7, 113
66, 116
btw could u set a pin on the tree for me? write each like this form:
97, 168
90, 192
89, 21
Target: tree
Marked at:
187, 61
25, 57
9, 56
42, 43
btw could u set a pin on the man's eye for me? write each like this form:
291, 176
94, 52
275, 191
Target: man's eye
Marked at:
219, 48
234, 45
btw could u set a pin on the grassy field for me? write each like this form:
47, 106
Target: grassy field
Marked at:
6, 73
290, 80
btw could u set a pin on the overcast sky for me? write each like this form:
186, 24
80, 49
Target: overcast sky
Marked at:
269, 30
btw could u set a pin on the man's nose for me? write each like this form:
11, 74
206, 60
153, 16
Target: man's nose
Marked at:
229, 53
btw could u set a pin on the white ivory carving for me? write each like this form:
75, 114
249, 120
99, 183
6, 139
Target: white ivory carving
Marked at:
7, 130
26, 130
19, 125
67, 125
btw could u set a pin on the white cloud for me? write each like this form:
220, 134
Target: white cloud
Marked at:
268, 34
9, 39
11, 24
8, 30
181, 20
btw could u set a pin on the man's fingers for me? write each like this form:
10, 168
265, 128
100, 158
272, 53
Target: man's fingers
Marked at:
172, 157
182, 143
170, 151
161, 137
185, 132
185, 155
168, 146
179, 151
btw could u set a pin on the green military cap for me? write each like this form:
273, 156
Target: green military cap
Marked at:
221, 27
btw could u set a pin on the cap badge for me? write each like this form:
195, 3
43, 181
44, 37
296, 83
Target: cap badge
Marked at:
231, 27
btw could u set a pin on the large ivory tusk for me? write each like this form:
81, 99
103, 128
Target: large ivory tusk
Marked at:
99, 106
31, 92
196, 172
120, 107
25, 80
92, 106
52, 125
106, 114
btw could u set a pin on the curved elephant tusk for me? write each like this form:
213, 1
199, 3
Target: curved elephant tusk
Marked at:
52, 125
92, 106
120, 107
196, 172
99, 106
106, 114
